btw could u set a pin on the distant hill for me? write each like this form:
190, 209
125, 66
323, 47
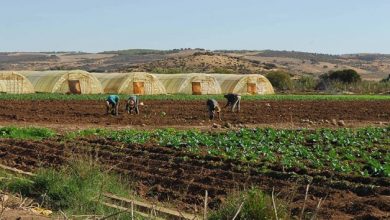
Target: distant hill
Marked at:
370, 66
207, 62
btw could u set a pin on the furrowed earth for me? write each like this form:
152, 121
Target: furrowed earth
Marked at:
70, 115
171, 175
181, 178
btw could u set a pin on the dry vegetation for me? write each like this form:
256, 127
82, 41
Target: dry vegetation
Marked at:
206, 62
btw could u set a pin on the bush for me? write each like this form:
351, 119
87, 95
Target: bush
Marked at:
344, 76
386, 79
280, 80
256, 205
305, 83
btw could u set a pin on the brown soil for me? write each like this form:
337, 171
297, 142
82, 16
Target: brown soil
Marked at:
171, 175
15, 207
22, 215
80, 114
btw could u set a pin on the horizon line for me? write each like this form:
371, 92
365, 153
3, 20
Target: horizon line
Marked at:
197, 48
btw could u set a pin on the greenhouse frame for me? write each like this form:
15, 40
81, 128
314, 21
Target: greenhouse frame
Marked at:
244, 84
69, 82
15, 83
190, 83
139, 83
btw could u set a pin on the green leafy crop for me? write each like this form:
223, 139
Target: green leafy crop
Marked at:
351, 151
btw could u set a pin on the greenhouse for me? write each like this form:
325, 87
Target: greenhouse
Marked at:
139, 83
14, 82
244, 84
69, 82
191, 83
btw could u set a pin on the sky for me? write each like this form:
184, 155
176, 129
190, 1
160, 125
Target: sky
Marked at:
321, 26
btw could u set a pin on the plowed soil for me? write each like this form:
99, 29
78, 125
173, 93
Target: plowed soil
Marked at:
167, 174
80, 114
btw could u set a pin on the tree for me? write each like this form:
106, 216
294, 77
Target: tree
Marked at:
305, 83
280, 80
345, 76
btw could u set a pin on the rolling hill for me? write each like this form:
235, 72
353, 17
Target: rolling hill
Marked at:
370, 66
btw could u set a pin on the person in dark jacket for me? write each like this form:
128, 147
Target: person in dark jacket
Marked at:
213, 108
233, 100
112, 104
132, 104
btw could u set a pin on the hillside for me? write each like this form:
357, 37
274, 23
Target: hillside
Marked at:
205, 62
370, 66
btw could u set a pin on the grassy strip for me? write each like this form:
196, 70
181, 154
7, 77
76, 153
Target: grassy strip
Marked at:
52, 96
73, 189
26, 133
256, 205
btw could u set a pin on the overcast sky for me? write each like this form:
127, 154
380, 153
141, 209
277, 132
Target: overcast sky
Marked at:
324, 26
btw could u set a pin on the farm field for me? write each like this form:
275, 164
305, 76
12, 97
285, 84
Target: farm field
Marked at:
338, 145
347, 168
62, 112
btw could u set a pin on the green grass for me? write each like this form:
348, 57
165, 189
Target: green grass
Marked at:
73, 189
7, 176
26, 133
52, 96
256, 205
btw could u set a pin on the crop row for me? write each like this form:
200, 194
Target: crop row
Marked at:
362, 152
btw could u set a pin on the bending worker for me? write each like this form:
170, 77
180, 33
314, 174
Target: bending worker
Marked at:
132, 105
112, 104
234, 100
213, 108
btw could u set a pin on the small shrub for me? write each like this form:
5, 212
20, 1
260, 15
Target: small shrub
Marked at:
344, 76
280, 80
269, 66
386, 79
256, 206
305, 83
223, 70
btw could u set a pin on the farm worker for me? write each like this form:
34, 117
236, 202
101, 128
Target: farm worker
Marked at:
132, 104
234, 100
112, 104
213, 107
